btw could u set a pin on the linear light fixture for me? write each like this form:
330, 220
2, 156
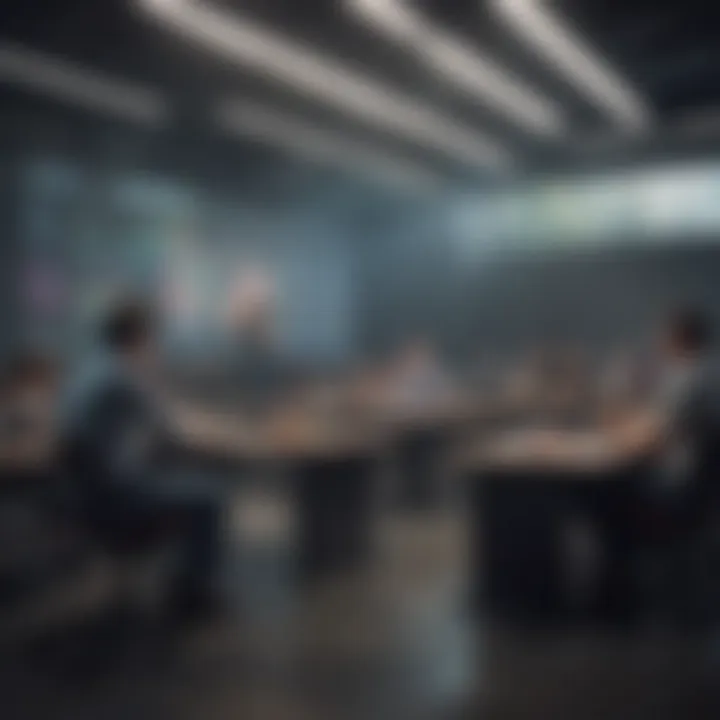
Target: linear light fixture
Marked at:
269, 53
268, 126
581, 65
461, 64
81, 86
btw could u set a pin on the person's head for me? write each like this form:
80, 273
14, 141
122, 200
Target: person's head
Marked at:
688, 335
129, 331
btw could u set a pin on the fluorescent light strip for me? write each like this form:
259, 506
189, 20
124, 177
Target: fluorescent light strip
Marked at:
81, 86
461, 64
589, 73
300, 138
304, 70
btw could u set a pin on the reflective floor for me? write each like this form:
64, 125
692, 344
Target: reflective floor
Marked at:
392, 641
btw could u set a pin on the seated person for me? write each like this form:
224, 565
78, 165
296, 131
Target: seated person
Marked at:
27, 412
680, 436
552, 385
28, 395
365, 386
111, 429
525, 384
260, 374
32, 540
418, 383
681, 427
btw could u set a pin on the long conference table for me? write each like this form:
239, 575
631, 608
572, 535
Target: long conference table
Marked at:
332, 472
425, 442
526, 489
331, 466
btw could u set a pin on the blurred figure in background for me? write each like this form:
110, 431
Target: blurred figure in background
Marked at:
484, 374
418, 381
259, 374
552, 384
29, 390
30, 540
112, 430
368, 387
525, 384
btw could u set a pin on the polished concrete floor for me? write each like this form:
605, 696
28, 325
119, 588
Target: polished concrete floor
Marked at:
393, 640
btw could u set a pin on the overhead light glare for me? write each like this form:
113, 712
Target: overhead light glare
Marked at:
81, 86
304, 70
458, 62
306, 140
591, 74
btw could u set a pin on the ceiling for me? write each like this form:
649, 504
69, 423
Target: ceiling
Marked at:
662, 58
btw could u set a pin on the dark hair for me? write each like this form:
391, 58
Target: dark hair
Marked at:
691, 330
127, 325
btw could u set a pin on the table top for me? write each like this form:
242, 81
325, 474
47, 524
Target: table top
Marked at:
586, 454
218, 436
448, 416
297, 436
286, 438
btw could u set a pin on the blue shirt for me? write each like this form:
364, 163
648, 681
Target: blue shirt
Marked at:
112, 419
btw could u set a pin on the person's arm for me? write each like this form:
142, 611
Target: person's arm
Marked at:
648, 431
179, 425
198, 429
644, 433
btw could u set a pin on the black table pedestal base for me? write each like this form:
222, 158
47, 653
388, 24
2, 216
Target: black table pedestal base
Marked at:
334, 502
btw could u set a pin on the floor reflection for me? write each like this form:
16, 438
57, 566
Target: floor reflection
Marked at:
393, 641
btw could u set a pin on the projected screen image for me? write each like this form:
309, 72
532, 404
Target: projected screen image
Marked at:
85, 242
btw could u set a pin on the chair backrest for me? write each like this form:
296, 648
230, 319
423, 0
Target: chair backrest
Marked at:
105, 515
